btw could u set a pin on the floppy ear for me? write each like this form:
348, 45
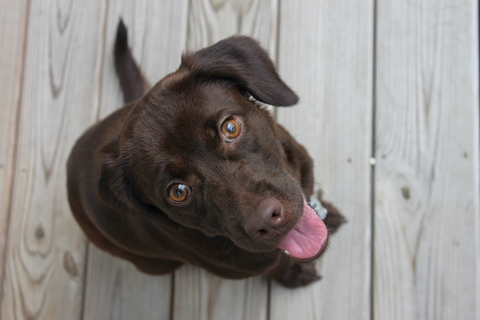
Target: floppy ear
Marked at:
242, 61
115, 186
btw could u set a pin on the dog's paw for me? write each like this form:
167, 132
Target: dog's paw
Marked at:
334, 218
298, 275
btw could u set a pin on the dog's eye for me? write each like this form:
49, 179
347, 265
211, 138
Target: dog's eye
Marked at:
231, 129
179, 192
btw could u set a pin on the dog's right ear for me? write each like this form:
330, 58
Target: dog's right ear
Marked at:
242, 61
116, 187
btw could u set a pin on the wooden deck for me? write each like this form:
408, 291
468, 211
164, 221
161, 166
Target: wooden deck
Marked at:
395, 81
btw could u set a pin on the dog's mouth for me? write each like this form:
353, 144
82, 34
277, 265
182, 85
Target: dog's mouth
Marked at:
308, 238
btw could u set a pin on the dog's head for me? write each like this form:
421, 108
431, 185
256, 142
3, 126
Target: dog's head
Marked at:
200, 150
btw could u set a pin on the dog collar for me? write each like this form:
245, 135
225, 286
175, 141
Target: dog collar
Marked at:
317, 206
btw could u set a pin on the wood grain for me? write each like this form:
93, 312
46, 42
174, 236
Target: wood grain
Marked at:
212, 297
213, 20
57, 77
45, 248
13, 22
156, 35
326, 56
427, 210
200, 295
115, 289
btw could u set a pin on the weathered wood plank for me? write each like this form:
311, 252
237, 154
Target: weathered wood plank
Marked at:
213, 20
200, 295
211, 297
45, 248
326, 55
13, 22
115, 289
427, 210
157, 35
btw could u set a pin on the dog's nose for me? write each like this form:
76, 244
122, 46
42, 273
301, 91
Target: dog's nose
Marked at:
265, 222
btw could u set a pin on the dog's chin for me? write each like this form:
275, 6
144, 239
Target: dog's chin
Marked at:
263, 247
258, 246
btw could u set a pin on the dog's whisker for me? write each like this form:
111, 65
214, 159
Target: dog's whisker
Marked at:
302, 133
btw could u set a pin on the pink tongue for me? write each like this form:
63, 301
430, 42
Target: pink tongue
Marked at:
307, 238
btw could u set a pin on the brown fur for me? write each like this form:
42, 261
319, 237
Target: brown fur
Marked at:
120, 170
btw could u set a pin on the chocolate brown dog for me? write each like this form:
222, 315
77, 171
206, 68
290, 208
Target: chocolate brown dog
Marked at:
194, 170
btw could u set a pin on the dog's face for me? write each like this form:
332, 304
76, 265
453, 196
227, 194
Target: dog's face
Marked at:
198, 149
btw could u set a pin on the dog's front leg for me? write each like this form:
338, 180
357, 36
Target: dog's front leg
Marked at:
292, 274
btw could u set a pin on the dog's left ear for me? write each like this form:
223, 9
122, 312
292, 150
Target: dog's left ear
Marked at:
115, 187
242, 61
